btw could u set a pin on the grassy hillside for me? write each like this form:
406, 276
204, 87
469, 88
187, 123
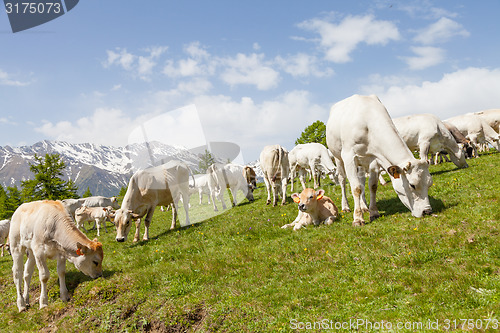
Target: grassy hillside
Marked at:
239, 271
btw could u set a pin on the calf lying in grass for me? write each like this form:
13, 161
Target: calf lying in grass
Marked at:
314, 208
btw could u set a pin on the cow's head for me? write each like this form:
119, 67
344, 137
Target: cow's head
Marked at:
89, 258
307, 200
123, 222
411, 184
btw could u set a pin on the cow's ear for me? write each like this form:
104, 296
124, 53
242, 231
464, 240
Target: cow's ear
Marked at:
320, 194
407, 167
135, 216
394, 171
295, 197
80, 249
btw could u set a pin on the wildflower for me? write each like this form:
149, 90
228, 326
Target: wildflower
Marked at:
326, 251
305, 249
409, 253
415, 228
238, 233
250, 228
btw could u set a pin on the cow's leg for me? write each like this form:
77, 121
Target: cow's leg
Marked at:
137, 230
44, 273
174, 216
29, 268
424, 151
302, 176
356, 188
372, 184
474, 144
147, 222
284, 183
200, 194
314, 175
96, 222
268, 187
342, 178
17, 275
292, 173
362, 181
61, 273
221, 197
185, 202
212, 194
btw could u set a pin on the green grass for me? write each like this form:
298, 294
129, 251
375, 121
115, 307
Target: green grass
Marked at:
240, 272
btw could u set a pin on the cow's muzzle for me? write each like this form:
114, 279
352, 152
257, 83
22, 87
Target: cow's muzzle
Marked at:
120, 240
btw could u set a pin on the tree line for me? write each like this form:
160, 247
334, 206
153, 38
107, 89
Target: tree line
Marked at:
47, 184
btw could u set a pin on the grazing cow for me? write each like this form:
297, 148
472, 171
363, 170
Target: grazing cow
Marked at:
96, 201
45, 230
161, 185
229, 176
276, 168
250, 176
96, 214
427, 134
492, 118
312, 157
4, 234
363, 138
460, 139
201, 186
314, 208
477, 130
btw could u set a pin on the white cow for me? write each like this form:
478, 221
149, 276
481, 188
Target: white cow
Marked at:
4, 233
96, 201
477, 130
231, 176
492, 118
276, 169
312, 157
45, 230
162, 185
363, 138
200, 186
427, 134
72, 205
98, 215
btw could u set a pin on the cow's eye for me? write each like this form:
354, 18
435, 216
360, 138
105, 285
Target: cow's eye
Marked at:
412, 186
96, 263
311, 197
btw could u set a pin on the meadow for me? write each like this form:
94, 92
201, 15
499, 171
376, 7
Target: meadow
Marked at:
240, 272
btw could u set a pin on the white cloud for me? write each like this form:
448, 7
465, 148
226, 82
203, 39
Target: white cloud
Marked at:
463, 91
198, 63
426, 56
303, 65
252, 125
105, 126
249, 69
441, 31
139, 65
7, 80
338, 41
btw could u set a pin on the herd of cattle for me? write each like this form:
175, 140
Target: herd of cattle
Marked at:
362, 140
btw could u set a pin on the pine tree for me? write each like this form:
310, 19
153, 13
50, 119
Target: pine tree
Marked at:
3, 203
48, 182
87, 193
316, 132
206, 160
13, 200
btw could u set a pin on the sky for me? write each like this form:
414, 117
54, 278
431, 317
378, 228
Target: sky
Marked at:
253, 73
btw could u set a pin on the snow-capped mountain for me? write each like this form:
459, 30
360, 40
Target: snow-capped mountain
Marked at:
103, 169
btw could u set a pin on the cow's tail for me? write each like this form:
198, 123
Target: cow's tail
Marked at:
280, 167
192, 176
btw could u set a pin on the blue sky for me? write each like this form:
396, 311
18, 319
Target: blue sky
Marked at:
255, 72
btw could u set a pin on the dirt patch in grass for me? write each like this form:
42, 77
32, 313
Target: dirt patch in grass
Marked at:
190, 321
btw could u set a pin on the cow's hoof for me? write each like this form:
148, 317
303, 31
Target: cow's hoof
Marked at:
374, 217
268, 202
358, 223
346, 210
136, 240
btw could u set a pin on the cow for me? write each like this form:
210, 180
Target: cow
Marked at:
250, 176
229, 176
276, 169
460, 139
200, 186
161, 185
427, 134
477, 130
491, 117
314, 208
45, 230
362, 138
98, 215
312, 157
72, 205
4, 234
